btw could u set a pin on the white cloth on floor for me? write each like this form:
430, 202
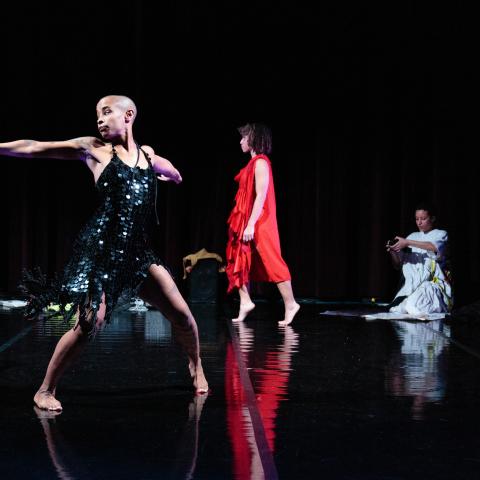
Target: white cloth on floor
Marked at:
426, 317
12, 303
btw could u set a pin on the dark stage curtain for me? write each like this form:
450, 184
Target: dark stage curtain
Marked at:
370, 109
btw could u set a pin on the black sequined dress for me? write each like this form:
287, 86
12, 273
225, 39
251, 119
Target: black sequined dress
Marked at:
110, 255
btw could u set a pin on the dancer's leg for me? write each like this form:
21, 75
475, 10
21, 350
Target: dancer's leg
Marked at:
67, 350
160, 290
291, 306
246, 304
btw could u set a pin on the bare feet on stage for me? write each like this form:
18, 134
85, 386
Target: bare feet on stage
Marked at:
46, 400
195, 407
290, 312
245, 309
199, 381
45, 415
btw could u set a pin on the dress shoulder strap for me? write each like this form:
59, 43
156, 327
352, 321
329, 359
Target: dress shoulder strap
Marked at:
147, 156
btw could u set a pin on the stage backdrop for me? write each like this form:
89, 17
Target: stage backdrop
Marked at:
370, 110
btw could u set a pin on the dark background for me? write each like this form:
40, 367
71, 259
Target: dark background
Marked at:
371, 106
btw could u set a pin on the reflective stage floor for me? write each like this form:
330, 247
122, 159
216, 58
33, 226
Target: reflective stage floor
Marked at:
332, 397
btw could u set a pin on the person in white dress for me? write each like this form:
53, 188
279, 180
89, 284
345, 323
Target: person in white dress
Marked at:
423, 258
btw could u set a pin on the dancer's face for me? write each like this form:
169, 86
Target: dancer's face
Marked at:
244, 144
111, 119
424, 221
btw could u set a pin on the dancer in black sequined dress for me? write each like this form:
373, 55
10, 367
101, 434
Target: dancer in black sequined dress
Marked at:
111, 255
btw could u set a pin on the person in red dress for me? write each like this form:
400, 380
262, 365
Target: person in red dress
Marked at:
253, 248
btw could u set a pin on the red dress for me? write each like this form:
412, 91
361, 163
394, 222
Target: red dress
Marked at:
261, 259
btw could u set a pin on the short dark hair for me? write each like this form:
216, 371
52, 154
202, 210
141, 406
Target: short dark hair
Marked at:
259, 137
428, 207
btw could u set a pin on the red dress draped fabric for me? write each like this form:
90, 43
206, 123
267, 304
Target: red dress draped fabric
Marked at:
261, 259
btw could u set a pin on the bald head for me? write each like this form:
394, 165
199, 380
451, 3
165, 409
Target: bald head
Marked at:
120, 101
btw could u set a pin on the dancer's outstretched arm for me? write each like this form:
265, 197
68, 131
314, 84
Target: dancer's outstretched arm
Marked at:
74, 149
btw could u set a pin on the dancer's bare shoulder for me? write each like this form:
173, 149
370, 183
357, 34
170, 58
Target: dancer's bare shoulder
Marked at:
98, 154
95, 150
163, 167
154, 157
150, 152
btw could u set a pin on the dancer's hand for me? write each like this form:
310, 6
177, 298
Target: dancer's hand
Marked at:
248, 233
400, 245
163, 178
177, 179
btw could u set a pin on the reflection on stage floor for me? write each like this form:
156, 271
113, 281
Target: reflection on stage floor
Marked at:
330, 396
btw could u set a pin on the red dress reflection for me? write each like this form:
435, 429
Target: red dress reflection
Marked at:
270, 384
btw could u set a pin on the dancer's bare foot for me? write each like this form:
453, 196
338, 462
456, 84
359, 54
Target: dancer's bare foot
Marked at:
196, 406
46, 400
199, 381
245, 309
45, 415
290, 312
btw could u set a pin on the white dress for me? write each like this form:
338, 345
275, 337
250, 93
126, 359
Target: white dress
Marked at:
426, 287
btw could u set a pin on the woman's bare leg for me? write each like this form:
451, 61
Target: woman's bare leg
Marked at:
246, 304
159, 290
68, 348
291, 306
